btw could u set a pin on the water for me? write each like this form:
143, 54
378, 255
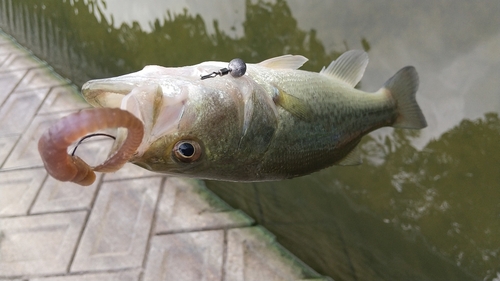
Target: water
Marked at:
423, 206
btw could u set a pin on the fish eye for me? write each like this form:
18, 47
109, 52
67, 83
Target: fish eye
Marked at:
187, 151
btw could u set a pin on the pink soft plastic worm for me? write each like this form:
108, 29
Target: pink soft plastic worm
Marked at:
54, 143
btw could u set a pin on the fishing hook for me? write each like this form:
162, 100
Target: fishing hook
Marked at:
89, 136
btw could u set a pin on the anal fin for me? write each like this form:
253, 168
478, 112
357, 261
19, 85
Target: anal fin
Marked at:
351, 159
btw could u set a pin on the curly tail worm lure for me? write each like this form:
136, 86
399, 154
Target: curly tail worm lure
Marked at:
54, 143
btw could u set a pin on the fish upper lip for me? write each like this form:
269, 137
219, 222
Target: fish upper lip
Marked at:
106, 92
95, 87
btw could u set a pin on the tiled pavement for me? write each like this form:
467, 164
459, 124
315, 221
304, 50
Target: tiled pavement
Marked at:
130, 225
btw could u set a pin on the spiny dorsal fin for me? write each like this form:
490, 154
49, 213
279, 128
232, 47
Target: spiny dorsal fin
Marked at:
351, 159
349, 67
284, 62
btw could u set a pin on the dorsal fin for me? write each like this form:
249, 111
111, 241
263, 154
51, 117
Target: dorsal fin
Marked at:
348, 68
285, 62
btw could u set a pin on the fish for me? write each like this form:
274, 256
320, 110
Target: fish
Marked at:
273, 122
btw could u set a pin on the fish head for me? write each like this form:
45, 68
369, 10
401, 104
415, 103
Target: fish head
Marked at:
192, 127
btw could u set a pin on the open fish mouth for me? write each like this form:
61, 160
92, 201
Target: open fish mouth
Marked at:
144, 98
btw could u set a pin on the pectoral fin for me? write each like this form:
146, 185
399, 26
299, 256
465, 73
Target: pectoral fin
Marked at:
294, 105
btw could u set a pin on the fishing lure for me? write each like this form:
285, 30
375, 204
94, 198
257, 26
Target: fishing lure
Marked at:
54, 143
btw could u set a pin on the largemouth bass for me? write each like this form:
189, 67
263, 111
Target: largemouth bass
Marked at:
272, 123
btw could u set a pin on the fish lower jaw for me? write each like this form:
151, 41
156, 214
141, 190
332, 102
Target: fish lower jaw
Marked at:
142, 165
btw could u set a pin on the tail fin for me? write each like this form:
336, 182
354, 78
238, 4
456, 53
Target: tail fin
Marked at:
402, 87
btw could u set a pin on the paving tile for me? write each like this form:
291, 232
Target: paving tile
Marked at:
186, 256
20, 61
187, 205
4, 39
40, 244
254, 248
25, 153
118, 228
37, 78
64, 196
8, 81
18, 111
132, 275
18, 189
10, 48
63, 98
3, 58
6, 145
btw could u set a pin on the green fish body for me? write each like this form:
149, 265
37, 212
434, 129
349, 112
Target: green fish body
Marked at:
272, 123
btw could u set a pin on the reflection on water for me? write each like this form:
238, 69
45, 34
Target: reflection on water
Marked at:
422, 207
82, 43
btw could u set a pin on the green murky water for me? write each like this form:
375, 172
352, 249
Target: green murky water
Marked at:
424, 205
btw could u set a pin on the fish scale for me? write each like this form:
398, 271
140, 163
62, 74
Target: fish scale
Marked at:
273, 122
